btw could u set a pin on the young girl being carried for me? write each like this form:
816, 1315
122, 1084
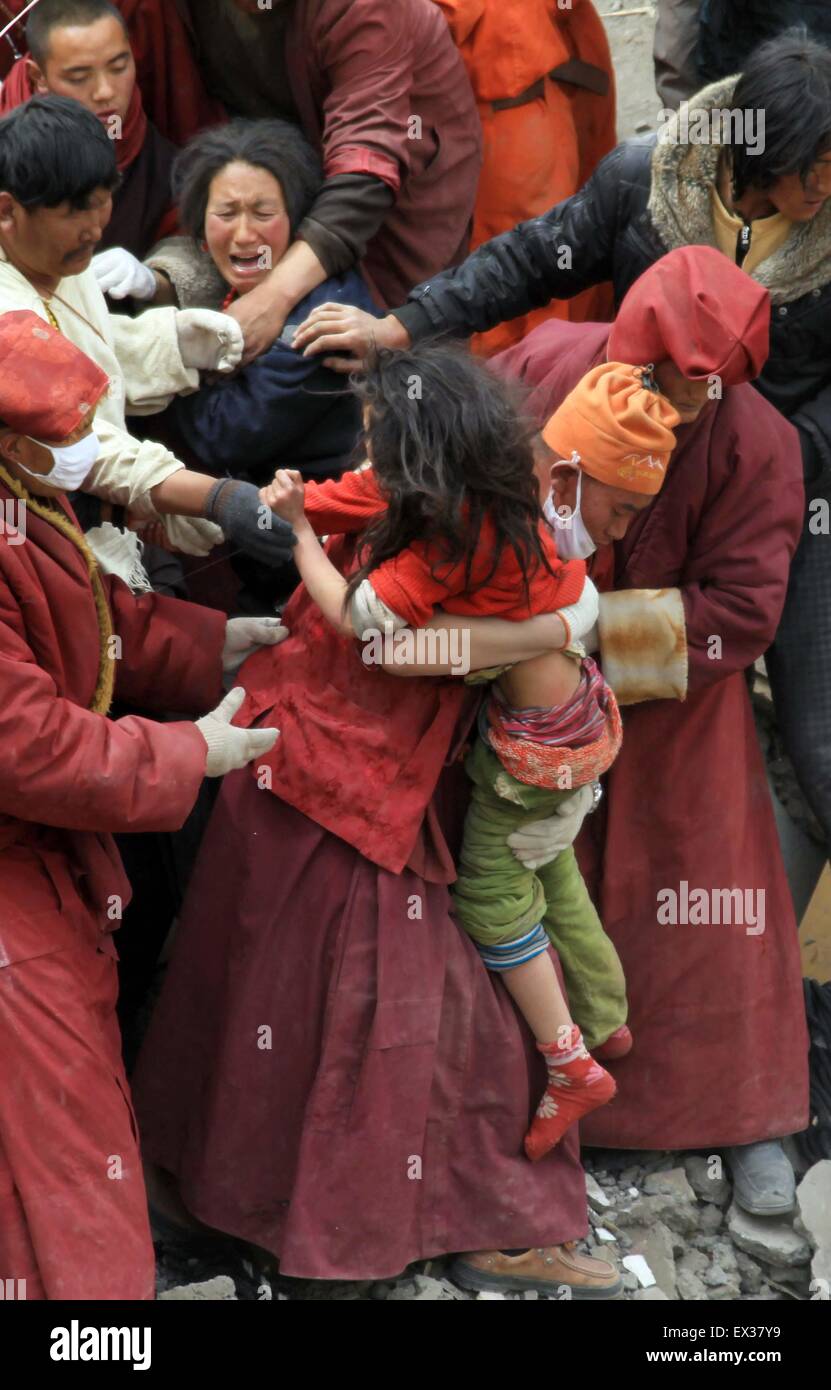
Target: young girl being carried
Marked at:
449, 515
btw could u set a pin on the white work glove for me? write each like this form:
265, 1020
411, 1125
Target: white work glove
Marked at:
230, 748
191, 534
122, 276
582, 615
542, 840
244, 635
208, 341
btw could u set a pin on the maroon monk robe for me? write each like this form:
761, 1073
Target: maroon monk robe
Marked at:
720, 1054
331, 1073
382, 90
73, 1217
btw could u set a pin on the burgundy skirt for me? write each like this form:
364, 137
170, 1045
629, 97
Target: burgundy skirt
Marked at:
331, 1073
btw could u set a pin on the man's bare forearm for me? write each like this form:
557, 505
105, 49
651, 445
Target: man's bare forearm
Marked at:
184, 493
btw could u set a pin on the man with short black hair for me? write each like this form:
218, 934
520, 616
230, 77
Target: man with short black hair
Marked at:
81, 49
57, 173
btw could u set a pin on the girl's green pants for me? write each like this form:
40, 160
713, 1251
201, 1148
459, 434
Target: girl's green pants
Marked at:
498, 900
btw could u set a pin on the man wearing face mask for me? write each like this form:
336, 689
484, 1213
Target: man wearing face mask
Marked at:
73, 1221
694, 588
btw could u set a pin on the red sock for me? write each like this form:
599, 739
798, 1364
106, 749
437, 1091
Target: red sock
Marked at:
576, 1085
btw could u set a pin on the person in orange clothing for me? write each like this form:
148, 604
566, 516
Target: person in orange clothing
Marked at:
544, 86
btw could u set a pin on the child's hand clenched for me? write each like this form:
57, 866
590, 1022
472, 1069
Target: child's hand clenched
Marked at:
284, 495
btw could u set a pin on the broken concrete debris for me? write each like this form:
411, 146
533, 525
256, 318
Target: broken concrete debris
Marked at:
666, 1220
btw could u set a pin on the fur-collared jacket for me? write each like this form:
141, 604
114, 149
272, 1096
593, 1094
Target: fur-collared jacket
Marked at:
646, 198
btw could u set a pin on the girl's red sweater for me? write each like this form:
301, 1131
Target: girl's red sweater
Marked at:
416, 582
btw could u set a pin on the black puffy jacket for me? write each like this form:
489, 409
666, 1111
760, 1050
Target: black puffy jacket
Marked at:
643, 200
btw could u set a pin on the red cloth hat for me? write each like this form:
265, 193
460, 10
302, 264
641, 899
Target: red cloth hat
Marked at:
47, 385
699, 309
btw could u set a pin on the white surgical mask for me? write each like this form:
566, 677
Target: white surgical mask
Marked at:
572, 538
72, 463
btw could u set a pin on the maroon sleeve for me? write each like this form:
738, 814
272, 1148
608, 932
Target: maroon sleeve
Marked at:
736, 574
366, 52
170, 653
65, 766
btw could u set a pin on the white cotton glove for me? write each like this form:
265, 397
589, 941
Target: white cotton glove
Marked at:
208, 341
230, 748
582, 615
542, 840
122, 276
244, 635
191, 534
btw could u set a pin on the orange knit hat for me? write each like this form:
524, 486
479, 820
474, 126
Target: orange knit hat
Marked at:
616, 429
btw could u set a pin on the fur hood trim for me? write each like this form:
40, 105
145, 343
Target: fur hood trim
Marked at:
680, 205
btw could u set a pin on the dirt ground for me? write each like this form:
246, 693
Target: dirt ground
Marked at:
630, 25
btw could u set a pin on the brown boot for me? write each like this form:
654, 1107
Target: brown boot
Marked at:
557, 1270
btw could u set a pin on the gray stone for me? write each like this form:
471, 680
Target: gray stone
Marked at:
653, 1295
655, 1243
725, 1255
813, 1200
424, 1289
751, 1274
690, 1287
220, 1288
704, 1242
629, 1177
403, 1292
672, 1181
767, 1238
716, 1275
631, 1281
697, 1169
678, 1214
821, 1276
693, 1262
725, 1292
597, 1198
710, 1219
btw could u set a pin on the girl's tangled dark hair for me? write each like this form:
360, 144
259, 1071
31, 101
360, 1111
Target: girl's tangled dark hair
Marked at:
449, 445
276, 146
788, 78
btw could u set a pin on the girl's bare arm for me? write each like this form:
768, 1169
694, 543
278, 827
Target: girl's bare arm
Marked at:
482, 643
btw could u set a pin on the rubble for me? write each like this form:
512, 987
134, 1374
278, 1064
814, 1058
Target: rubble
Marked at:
708, 1188
222, 1287
656, 1246
637, 1265
813, 1200
770, 1239
595, 1194
662, 1219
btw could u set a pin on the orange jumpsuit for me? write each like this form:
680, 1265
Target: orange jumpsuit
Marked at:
543, 137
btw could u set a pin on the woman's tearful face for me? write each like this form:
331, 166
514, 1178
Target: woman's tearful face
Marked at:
247, 227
